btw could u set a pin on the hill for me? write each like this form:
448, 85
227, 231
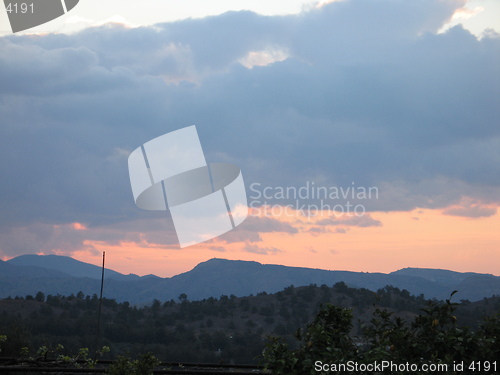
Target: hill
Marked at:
68, 266
226, 328
215, 277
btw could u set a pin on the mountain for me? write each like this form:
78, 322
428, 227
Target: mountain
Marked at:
53, 274
11, 270
69, 266
444, 277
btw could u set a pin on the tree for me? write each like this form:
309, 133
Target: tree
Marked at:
326, 338
40, 297
432, 337
156, 305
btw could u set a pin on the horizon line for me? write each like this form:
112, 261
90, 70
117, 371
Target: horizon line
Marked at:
7, 258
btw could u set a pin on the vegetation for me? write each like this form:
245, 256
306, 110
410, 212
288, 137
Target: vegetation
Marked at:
346, 324
144, 365
431, 338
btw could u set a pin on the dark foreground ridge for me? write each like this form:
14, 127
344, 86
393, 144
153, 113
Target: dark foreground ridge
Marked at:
228, 330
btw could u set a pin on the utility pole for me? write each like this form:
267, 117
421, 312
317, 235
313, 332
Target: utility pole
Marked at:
100, 307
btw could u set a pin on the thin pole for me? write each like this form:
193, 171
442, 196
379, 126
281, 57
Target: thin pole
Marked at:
100, 306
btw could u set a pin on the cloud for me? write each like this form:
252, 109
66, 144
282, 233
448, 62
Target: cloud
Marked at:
354, 221
260, 250
238, 235
471, 209
362, 32
250, 229
74, 237
217, 248
316, 231
466, 13
266, 224
368, 92
263, 58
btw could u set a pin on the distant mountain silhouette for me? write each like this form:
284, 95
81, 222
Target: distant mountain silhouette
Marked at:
53, 274
69, 266
444, 277
11, 270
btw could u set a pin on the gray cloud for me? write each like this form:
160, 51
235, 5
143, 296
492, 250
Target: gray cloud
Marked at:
316, 231
217, 248
250, 248
471, 211
249, 231
266, 224
370, 93
351, 221
69, 238
238, 235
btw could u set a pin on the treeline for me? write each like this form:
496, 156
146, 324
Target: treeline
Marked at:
432, 341
226, 329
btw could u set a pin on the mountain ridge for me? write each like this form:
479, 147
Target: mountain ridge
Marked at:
71, 266
28, 274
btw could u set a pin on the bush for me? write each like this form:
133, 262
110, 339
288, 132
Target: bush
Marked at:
144, 365
432, 337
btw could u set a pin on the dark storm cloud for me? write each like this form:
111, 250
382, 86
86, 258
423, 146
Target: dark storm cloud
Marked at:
369, 93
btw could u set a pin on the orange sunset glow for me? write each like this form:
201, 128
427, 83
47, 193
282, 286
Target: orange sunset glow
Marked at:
388, 107
422, 238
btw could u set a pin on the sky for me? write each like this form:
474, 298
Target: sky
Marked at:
367, 133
